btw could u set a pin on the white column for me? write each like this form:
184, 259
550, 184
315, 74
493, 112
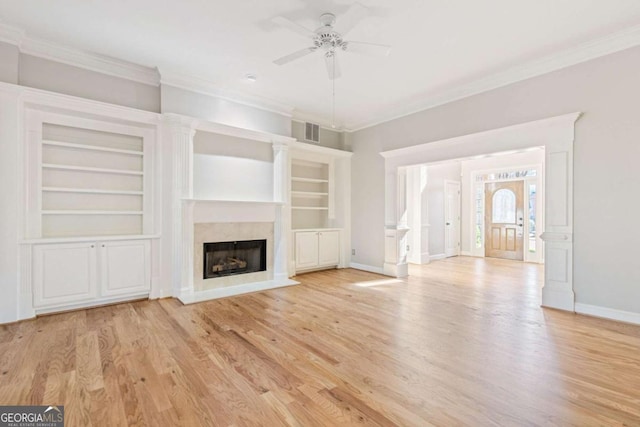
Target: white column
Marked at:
558, 234
178, 133
282, 224
417, 206
395, 234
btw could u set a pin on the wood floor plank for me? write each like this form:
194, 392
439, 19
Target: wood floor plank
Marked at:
462, 341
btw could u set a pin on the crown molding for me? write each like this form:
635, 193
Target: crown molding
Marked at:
78, 58
207, 87
593, 49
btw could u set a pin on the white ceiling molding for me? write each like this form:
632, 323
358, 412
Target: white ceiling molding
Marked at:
78, 58
207, 87
612, 43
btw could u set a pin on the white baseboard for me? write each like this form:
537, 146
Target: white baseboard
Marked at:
92, 304
365, 267
608, 313
209, 294
466, 253
437, 257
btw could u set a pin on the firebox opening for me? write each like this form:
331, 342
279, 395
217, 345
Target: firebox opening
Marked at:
229, 258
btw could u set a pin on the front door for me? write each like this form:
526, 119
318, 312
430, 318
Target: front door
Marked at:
504, 225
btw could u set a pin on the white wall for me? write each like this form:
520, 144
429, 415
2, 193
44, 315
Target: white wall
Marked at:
53, 76
228, 168
436, 176
607, 89
193, 104
488, 163
9, 224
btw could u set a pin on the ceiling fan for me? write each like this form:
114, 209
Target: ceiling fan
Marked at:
329, 39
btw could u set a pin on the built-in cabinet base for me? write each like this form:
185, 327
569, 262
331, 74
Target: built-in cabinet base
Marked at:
85, 274
316, 249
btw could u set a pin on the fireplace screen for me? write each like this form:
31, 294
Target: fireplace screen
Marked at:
228, 258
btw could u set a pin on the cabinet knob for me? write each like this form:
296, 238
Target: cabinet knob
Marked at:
103, 246
93, 246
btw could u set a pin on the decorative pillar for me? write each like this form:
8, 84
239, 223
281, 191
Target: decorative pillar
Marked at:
417, 205
178, 133
558, 223
282, 225
396, 227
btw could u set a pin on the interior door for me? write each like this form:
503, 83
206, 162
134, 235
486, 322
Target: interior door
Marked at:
504, 220
451, 218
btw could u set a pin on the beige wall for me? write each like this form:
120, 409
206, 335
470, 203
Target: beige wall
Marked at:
607, 149
177, 100
9, 63
53, 76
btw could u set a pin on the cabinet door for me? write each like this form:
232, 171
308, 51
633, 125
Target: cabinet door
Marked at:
306, 249
329, 248
64, 273
125, 267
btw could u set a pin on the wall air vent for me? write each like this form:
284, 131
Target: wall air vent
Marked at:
311, 132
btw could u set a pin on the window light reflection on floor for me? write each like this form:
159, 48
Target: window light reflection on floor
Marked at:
372, 283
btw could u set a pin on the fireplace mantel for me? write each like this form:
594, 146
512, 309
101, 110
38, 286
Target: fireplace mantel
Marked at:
189, 211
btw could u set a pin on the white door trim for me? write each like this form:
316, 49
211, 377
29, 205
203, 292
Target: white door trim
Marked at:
556, 134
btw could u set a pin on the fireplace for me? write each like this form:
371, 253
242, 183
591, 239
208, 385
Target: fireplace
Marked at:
230, 258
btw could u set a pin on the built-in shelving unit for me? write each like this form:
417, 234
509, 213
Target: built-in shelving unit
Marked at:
92, 182
319, 201
310, 192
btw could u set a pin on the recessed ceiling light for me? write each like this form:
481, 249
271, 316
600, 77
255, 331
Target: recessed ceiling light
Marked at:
251, 78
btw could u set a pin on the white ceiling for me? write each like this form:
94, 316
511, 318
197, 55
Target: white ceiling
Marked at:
437, 45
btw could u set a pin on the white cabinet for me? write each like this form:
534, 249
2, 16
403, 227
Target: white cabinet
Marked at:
317, 249
64, 273
124, 267
70, 275
328, 248
306, 249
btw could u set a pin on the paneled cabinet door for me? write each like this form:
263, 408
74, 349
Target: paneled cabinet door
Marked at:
329, 248
125, 267
306, 249
64, 273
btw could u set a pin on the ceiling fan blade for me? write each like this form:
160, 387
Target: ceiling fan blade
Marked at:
348, 20
333, 66
368, 48
295, 55
290, 25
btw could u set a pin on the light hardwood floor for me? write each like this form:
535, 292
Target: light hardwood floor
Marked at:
461, 342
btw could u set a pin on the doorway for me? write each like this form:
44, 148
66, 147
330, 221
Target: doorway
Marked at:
504, 220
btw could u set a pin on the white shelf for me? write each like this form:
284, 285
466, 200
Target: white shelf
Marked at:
311, 208
89, 239
90, 191
257, 202
301, 179
91, 147
309, 194
79, 212
87, 169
